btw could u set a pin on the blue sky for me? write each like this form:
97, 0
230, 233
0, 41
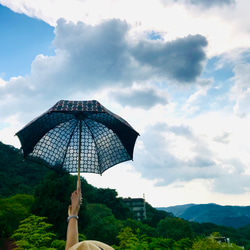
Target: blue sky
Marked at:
24, 39
179, 76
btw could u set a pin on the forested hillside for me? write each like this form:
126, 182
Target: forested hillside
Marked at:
231, 216
33, 212
16, 175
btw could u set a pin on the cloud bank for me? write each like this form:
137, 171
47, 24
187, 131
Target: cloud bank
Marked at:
103, 56
168, 163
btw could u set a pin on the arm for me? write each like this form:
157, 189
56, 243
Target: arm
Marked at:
72, 231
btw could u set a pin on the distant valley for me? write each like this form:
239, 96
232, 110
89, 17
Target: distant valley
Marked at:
230, 216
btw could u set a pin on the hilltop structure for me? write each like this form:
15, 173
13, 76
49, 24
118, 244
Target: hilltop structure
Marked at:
137, 206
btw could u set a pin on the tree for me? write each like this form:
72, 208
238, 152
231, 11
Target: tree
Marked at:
210, 243
154, 215
144, 228
16, 175
52, 198
12, 211
183, 244
33, 233
58, 244
175, 228
102, 225
131, 241
206, 244
161, 243
109, 197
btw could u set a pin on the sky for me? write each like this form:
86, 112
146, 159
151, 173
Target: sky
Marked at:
177, 70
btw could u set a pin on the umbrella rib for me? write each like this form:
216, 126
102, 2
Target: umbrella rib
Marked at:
69, 143
95, 146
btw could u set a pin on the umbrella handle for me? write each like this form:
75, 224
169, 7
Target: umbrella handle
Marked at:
78, 184
79, 187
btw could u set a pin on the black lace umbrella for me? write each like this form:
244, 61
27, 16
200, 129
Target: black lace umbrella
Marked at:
78, 136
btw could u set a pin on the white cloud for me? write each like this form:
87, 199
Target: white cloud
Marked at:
2, 82
192, 104
225, 25
193, 151
242, 107
240, 92
97, 57
189, 141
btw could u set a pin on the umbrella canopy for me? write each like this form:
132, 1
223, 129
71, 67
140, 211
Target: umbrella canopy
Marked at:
78, 136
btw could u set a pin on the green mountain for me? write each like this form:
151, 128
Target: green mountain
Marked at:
16, 175
230, 216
